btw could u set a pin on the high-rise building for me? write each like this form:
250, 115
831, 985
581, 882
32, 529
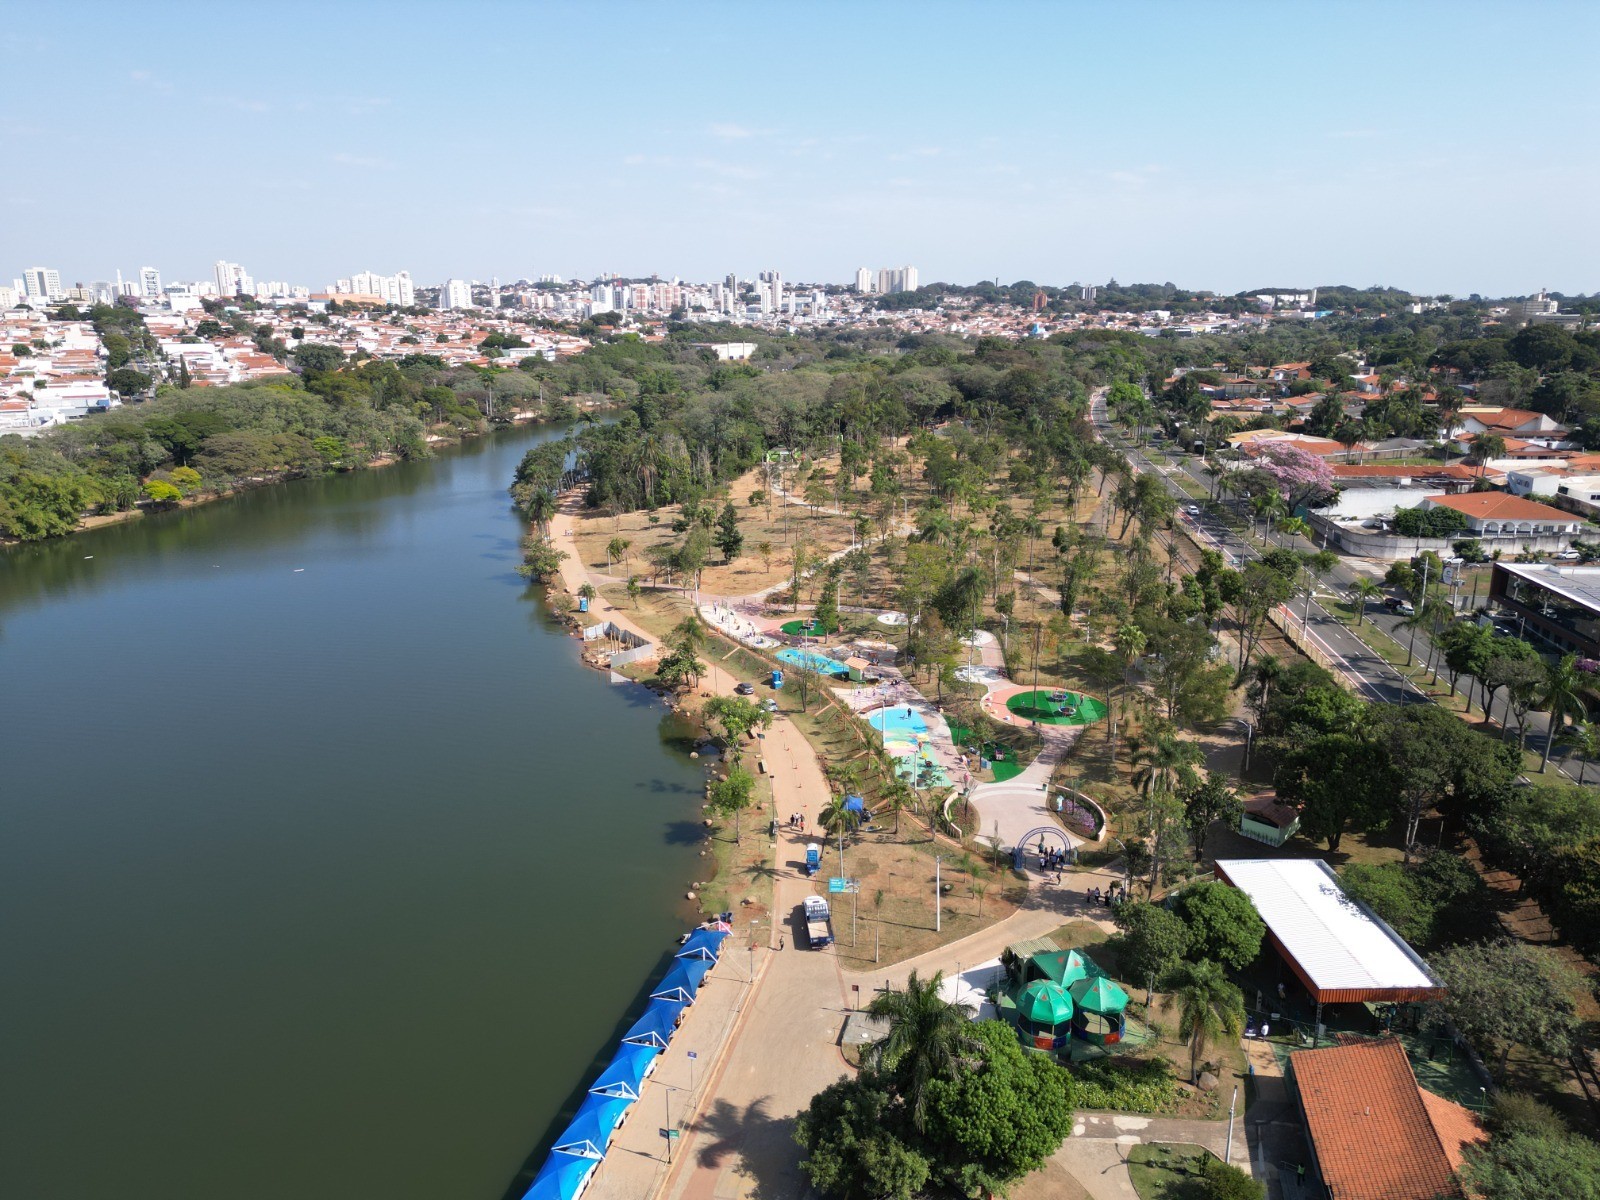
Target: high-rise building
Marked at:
42, 283
455, 293
864, 281
394, 289
149, 283
897, 279
231, 279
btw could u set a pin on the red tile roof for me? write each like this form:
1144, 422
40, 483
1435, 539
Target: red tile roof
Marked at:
1456, 1126
1368, 1124
1500, 506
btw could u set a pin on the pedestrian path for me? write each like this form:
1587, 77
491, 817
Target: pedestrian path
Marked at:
1011, 809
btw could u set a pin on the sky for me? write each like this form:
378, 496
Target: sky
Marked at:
1444, 147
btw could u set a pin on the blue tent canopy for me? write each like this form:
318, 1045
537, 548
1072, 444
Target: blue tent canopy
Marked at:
561, 1178
657, 1025
626, 1072
703, 943
683, 981
591, 1129
855, 804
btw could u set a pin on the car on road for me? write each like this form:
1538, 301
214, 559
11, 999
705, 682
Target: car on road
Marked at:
1568, 556
746, 689
1193, 510
1398, 604
770, 704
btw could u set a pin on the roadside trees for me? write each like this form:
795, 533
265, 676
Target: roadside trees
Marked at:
732, 795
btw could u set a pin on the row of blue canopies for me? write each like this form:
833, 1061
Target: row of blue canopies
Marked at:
582, 1145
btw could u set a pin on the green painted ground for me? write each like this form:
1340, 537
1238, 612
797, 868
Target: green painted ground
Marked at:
805, 627
1037, 706
1006, 768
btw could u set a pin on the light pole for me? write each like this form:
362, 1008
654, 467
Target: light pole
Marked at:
1227, 1150
937, 860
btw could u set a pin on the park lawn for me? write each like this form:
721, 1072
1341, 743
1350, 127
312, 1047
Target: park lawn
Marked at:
1166, 1170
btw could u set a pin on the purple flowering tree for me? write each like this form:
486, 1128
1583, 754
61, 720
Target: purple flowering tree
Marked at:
1301, 477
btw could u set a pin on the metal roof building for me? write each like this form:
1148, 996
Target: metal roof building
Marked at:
1338, 947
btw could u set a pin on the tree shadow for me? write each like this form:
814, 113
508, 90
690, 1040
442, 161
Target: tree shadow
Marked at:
763, 1143
683, 833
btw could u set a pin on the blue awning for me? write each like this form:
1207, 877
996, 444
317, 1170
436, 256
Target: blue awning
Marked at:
626, 1072
561, 1178
591, 1129
703, 943
657, 1025
683, 981
855, 804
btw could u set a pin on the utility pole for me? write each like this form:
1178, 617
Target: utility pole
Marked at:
937, 859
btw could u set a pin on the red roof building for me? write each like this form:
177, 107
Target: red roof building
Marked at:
1375, 1135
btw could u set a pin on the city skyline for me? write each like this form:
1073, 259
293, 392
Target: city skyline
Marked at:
1148, 143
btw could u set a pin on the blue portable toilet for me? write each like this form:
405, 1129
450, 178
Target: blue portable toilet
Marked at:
813, 859
777, 679
583, 604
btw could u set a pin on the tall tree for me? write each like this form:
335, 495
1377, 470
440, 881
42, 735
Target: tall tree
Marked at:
928, 1038
1209, 1007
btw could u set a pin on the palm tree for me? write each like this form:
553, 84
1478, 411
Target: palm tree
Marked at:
1561, 697
928, 1039
688, 635
1361, 593
837, 818
541, 507
1486, 446
1165, 761
1584, 737
616, 548
1209, 1007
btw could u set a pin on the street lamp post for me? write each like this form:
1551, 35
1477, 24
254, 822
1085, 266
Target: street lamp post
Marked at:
937, 860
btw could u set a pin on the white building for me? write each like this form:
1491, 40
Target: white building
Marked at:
42, 283
864, 281
1537, 306
231, 279
396, 289
455, 293
897, 279
149, 283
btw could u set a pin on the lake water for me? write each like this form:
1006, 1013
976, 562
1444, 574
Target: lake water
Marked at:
325, 868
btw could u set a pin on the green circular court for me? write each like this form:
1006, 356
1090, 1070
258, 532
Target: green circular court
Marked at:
809, 627
1056, 707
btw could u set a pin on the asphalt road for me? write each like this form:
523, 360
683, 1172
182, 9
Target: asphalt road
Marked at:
1368, 673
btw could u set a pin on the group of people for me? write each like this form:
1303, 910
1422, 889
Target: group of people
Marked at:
1052, 860
1108, 896
797, 820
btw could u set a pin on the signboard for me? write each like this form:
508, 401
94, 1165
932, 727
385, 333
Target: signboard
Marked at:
692, 1054
838, 883
671, 1134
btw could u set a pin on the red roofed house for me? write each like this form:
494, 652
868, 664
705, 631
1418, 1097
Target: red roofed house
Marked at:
1498, 514
1374, 1134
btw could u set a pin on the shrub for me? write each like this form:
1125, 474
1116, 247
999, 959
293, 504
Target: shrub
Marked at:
1139, 1086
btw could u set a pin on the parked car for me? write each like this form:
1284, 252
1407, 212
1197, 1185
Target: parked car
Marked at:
746, 689
1569, 556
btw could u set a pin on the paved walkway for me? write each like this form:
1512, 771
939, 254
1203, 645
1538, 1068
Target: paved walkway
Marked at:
1009, 810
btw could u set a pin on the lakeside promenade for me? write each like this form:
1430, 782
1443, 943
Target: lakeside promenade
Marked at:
766, 1026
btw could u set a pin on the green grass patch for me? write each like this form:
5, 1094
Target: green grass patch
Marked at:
1167, 1170
1006, 768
